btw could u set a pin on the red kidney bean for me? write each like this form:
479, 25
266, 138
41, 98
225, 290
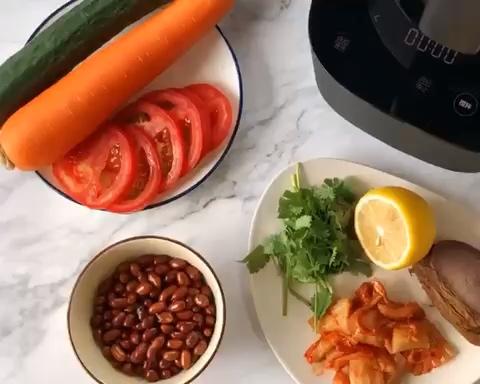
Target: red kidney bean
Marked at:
167, 293
131, 298
119, 288
135, 338
178, 335
157, 308
127, 368
165, 318
124, 278
135, 270
186, 359
118, 320
178, 263
186, 326
111, 336
182, 279
107, 352
166, 328
152, 376
192, 339
161, 259
207, 332
193, 291
119, 303
132, 311
174, 344
161, 269
131, 308
108, 315
198, 318
177, 306
164, 364
149, 334
158, 342
171, 277
202, 301
193, 272
107, 326
129, 321
145, 259
206, 291
155, 279
210, 310
210, 321
139, 354
196, 309
105, 286
147, 303
171, 355
144, 289
148, 322
118, 353
132, 286
184, 315
126, 345
179, 293
166, 374
200, 348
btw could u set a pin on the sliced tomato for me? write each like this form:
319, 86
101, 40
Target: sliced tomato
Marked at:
98, 171
191, 118
166, 133
219, 108
148, 176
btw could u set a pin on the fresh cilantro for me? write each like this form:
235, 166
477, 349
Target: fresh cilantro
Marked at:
316, 241
256, 260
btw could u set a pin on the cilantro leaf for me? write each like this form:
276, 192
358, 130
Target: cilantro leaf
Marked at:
321, 301
256, 260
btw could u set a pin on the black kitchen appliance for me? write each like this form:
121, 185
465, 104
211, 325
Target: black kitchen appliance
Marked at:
405, 71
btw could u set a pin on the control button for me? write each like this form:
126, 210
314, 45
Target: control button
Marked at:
465, 104
341, 43
424, 85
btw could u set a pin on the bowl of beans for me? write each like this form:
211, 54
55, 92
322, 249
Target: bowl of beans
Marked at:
146, 309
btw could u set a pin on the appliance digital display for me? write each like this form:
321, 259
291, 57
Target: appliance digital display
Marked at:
422, 43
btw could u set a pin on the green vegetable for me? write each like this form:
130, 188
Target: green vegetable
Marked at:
315, 242
65, 43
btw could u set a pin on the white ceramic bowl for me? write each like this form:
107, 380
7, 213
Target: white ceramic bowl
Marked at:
80, 309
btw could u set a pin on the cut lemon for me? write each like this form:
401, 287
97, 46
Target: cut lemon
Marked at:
395, 226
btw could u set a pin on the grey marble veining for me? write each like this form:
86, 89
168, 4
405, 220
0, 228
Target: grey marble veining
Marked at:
45, 240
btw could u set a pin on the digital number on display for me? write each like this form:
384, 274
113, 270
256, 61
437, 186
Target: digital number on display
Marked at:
422, 43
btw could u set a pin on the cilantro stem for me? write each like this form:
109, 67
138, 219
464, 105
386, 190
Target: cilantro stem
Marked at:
299, 297
285, 295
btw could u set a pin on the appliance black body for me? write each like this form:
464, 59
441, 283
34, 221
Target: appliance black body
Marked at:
378, 68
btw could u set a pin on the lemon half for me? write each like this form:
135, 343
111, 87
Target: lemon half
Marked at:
395, 226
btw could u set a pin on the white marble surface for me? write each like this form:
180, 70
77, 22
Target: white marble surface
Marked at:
45, 240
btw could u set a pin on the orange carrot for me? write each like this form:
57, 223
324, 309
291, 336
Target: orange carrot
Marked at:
69, 111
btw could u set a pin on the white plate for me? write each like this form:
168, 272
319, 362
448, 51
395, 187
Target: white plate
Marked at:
290, 336
212, 60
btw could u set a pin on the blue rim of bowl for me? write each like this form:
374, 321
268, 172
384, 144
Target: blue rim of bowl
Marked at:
146, 237
214, 167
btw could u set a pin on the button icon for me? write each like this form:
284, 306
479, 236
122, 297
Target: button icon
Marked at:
465, 104
423, 84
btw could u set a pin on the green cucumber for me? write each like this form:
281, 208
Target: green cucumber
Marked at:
64, 44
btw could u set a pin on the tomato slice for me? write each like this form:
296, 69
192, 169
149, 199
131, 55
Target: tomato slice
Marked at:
219, 108
161, 127
191, 118
98, 171
148, 176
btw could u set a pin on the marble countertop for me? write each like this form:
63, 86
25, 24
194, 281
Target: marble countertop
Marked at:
45, 240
